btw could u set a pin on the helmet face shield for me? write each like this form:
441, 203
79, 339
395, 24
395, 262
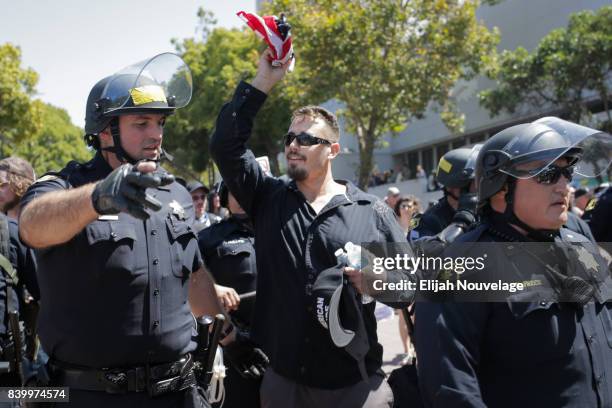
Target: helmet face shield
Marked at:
550, 139
161, 83
470, 166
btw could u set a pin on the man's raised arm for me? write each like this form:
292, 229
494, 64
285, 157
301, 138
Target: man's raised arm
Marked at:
236, 163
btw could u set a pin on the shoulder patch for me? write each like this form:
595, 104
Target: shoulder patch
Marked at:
591, 204
47, 177
414, 222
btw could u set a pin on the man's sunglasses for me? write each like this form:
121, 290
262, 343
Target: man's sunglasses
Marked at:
552, 174
304, 139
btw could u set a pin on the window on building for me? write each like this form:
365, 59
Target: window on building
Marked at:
427, 157
477, 138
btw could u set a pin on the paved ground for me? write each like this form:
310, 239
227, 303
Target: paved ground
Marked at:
388, 336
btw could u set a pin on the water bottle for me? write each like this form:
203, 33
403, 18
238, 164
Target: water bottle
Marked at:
353, 259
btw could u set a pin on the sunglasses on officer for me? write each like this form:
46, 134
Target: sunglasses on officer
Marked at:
553, 173
304, 139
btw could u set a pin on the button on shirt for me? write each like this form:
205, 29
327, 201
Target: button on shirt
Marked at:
294, 244
116, 294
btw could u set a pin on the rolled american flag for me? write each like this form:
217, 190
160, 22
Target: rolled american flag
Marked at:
276, 32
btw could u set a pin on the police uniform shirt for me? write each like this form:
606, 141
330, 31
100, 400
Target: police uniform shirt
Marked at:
228, 249
598, 214
515, 353
116, 293
577, 224
433, 221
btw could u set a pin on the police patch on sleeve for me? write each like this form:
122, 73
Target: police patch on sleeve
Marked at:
47, 177
414, 222
591, 204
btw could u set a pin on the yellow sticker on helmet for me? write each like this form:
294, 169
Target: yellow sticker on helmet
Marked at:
444, 165
147, 94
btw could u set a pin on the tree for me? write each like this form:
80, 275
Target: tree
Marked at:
219, 59
57, 142
567, 70
19, 116
385, 60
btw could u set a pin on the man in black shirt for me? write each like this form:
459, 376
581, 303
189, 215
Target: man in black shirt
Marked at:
299, 224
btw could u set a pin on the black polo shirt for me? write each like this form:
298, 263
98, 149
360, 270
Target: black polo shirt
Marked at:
293, 245
116, 294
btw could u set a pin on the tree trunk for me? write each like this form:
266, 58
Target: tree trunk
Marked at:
366, 152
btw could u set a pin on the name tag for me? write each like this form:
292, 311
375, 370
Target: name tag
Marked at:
109, 217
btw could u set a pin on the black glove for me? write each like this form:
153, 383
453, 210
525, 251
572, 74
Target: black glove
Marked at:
462, 220
125, 190
466, 208
248, 360
429, 246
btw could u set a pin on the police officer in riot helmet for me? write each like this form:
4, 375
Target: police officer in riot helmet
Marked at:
120, 270
455, 173
455, 212
228, 249
548, 345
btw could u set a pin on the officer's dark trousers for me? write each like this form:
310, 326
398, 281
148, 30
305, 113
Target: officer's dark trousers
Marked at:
280, 392
239, 392
190, 398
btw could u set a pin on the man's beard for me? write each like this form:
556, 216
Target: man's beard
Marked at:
297, 173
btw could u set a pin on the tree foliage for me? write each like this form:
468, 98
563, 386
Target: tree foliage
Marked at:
567, 70
19, 116
385, 60
57, 142
219, 59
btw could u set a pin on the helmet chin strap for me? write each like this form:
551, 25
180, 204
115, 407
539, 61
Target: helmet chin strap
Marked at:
541, 235
117, 149
448, 193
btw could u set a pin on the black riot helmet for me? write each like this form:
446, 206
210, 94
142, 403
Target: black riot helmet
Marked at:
540, 143
157, 85
456, 167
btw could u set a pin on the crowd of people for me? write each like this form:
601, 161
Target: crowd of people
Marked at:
123, 260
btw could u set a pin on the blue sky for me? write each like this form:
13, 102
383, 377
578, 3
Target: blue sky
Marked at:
74, 43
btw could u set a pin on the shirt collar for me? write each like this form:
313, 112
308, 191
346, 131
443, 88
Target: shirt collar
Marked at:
352, 192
